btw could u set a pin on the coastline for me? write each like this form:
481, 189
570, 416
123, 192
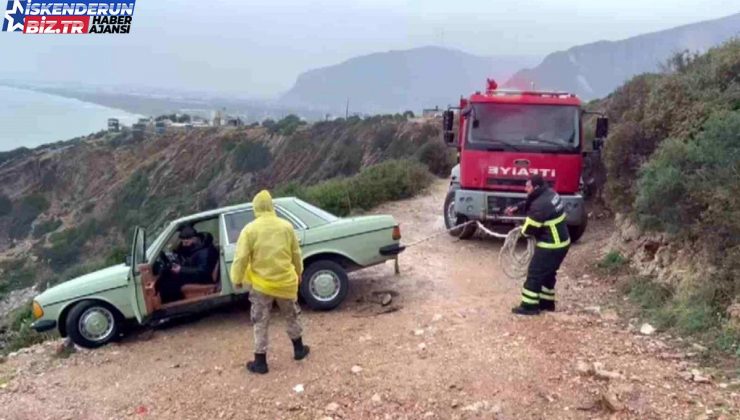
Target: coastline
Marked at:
33, 118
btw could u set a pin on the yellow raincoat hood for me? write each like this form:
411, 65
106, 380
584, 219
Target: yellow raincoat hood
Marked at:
268, 256
262, 204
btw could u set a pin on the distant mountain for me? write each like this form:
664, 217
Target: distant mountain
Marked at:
395, 81
595, 70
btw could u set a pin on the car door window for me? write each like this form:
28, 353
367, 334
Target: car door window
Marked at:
235, 222
290, 220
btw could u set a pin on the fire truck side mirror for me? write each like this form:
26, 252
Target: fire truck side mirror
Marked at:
448, 122
449, 137
602, 127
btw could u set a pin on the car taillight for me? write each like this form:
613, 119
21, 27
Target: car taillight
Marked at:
397, 233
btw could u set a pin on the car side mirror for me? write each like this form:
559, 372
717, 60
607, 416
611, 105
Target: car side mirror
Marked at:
602, 127
128, 261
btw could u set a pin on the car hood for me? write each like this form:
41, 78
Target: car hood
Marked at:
95, 282
363, 223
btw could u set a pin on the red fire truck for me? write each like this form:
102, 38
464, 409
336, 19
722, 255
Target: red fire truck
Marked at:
503, 137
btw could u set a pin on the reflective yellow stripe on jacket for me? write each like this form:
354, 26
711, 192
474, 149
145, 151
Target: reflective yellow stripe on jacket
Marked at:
552, 224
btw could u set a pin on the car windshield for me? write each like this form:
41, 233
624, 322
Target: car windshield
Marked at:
321, 214
523, 127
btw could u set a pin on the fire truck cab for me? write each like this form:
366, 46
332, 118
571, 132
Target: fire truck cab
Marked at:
503, 137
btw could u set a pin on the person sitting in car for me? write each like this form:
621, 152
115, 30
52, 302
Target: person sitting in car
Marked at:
196, 259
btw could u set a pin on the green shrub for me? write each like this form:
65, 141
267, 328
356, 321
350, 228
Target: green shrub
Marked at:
391, 180
67, 246
16, 275
695, 310
251, 157
439, 158
613, 262
288, 125
692, 186
6, 206
24, 213
45, 227
20, 334
648, 295
384, 136
651, 108
116, 256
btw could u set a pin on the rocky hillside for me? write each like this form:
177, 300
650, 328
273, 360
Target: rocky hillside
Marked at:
395, 81
595, 70
74, 203
672, 159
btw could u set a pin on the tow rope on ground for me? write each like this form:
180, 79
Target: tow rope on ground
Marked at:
513, 263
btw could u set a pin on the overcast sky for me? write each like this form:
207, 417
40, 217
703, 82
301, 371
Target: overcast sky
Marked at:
257, 48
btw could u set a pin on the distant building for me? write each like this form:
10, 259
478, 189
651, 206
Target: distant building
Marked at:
114, 124
218, 118
234, 121
138, 130
161, 126
432, 112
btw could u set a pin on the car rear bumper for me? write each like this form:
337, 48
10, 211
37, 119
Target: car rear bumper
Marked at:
391, 250
44, 325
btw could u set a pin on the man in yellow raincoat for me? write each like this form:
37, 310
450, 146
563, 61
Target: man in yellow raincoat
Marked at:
268, 260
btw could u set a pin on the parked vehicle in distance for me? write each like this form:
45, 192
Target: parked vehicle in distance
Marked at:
91, 309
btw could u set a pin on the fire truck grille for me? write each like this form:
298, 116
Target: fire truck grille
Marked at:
507, 182
497, 205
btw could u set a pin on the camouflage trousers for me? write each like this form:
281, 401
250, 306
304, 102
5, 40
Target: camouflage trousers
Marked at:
260, 315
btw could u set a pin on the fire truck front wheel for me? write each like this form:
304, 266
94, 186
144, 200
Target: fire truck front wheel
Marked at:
576, 231
453, 219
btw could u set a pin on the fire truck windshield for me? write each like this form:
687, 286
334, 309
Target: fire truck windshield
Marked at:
546, 128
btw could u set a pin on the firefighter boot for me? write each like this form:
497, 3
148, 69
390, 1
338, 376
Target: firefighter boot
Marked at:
259, 365
526, 309
547, 305
300, 351
547, 299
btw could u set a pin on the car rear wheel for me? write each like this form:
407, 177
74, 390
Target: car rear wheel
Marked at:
325, 285
93, 324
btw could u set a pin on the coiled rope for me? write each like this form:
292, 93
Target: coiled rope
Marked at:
513, 263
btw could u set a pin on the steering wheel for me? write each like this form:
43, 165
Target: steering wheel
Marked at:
162, 264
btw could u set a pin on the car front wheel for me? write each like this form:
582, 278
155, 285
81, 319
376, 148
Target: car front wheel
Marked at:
324, 285
92, 324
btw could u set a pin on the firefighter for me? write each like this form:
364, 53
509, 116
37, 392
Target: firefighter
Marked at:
268, 259
545, 221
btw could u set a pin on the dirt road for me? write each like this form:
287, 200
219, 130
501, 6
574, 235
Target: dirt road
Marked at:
451, 350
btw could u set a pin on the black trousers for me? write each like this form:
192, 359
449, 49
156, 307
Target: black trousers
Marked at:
542, 275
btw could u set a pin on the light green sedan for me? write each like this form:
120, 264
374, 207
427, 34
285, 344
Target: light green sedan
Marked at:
92, 309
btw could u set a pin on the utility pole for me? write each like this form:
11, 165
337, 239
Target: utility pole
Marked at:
346, 110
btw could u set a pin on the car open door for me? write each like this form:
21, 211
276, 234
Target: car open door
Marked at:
136, 259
